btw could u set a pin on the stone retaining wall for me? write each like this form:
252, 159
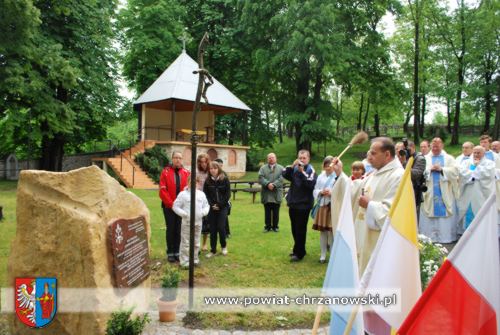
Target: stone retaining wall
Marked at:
70, 162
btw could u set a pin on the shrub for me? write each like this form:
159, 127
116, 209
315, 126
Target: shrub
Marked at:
152, 161
169, 283
253, 160
121, 323
432, 256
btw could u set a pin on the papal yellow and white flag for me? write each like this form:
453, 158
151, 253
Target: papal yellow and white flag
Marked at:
394, 265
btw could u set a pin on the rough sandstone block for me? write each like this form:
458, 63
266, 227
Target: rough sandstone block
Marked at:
62, 221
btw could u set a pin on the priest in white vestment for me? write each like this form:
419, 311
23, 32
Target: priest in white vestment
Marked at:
466, 153
438, 217
477, 182
374, 200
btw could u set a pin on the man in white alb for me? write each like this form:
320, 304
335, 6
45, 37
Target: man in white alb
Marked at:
438, 219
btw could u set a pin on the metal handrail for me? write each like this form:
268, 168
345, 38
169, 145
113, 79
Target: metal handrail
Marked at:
131, 164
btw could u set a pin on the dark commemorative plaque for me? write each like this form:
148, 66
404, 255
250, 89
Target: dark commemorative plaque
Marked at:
129, 244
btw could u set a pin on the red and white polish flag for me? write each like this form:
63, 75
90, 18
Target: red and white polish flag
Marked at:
464, 296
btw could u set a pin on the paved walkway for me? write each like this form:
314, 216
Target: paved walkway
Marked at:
176, 328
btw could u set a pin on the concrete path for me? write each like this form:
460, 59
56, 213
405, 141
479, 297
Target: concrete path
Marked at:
176, 328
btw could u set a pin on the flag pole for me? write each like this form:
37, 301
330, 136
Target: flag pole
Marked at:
348, 327
201, 92
317, 319
363, 288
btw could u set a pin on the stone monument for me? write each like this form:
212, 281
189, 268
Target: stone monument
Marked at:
83, 228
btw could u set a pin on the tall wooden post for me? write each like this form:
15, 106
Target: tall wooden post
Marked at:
202, 87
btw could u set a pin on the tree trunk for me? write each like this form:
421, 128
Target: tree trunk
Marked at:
416, 101
366, 115
301, 103
407, 119
421, 125
267, 121
244, 135
487, 102
495, 132
422, 115
448, 114
338, 119
458, 100
315, 116
53, 144
52, 152
376, 123
360, 115
298, 135
280, 127
461, 66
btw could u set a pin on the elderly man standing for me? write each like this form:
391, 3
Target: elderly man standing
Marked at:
495, 147
466, 153
438, 214
477, 182
375, 196
271, 181
425, 147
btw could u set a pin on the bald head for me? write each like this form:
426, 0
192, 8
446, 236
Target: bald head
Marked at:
382, 152
467, 148
437, 146
495, 146
478, 152
271, 158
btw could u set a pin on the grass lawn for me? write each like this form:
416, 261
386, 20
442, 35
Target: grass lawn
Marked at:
7, 225
255, 259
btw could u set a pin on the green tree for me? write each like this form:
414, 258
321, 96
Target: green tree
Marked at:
149, 33
229, 60
302, 46
62, 76
485, 59
454, 30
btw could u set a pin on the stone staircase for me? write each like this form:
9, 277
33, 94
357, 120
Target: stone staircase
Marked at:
128, 170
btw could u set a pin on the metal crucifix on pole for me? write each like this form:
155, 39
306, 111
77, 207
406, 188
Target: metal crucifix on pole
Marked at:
204, 81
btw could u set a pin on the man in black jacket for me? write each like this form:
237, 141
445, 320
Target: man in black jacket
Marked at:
300, 200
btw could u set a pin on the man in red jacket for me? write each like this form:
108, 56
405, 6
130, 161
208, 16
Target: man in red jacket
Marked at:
173, 179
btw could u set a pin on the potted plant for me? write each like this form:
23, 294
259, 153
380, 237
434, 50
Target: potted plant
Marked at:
167, 304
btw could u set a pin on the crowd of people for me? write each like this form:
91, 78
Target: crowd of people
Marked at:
448, 194
211, 209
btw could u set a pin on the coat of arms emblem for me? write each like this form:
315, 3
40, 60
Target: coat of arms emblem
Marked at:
36, 300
